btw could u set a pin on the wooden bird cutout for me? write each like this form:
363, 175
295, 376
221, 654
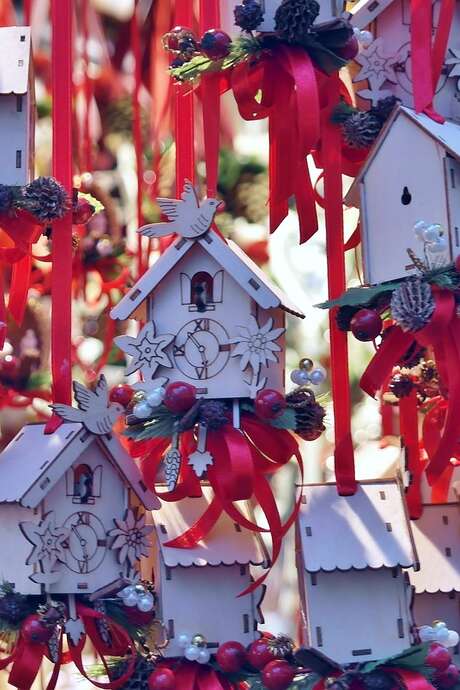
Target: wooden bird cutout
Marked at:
188, 218
94, 410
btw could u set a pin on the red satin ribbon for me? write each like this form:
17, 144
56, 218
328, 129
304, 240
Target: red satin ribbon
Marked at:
190, 675
210, 96
184, 111
61, 295
408, 416
137, 135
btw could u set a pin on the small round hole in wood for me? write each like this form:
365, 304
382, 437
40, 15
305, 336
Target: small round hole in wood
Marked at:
406, 197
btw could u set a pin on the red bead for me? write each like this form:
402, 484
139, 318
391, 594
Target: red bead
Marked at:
35, 631
350, 50
171, 40
269, 404
278, 675
231, 656
447, 678
438, 657
122, 394
366, 325
9, 367
215, 44
82, 213
179, 397
162, 679
259, 654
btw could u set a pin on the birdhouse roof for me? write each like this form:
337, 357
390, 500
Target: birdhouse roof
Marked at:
437, 539
228, 255
33, 462
365, 11
370, 529
15, 59
226, 544
446, 135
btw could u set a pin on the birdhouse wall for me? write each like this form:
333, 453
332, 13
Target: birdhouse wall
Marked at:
15, 148
86, 500
173, 309
443, 606
384, 68
404, 183
329, 9
357, 615
15, 549
204, 599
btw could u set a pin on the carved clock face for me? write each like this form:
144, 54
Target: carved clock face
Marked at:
201, 349
87, 542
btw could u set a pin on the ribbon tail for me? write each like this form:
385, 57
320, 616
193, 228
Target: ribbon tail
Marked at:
19, 288
409, 432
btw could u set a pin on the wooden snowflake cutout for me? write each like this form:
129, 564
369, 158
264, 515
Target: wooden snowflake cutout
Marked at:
146, 350
130, 538
49, 542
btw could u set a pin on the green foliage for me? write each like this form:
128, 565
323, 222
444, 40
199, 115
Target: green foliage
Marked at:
160, 426
38, 380
360, 296
241, 49
97, 205
412, 659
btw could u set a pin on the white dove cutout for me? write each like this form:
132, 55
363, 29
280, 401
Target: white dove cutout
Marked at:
188, 218
94, 410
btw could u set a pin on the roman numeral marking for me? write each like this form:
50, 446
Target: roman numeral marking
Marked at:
83, 518
202, 372
201, 325
179, 351
83, 567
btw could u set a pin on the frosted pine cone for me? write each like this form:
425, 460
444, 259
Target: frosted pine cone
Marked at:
309, 415
293, 19
361, 129
139, 679
213, 414
45, 199
248, 15
412, 304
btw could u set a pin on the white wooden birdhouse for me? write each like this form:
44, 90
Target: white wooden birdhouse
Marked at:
65, 522
212, 318
351, 551
328, 10
198, 587
383, 66
412, 174
17, 106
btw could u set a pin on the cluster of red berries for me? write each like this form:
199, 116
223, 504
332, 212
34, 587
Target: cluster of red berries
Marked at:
276, 673
446, 673
183, 43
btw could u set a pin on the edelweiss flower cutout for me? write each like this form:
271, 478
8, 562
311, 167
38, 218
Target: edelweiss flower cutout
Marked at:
130, 538
48, 541
256, 345
147, 350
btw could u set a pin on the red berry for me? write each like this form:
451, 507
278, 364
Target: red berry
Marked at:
9, 368
179, 397
162, 679
438, 657
366, 325
350, 50
278, 675
269, 404
447, 678
35, 631
215, 44
122, 394
82, 212
231, 656
171, 41
259, 654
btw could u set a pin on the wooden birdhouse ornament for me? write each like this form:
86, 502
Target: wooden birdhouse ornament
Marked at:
383, 66
66, 525
17, 106
416, 208
355, 596
207, 578
328, 10
212, 319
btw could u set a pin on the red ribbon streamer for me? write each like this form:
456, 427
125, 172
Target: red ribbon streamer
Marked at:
137, 134
408, 415
210, 94
184, 111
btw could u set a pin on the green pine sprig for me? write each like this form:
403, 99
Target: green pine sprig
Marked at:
241, 49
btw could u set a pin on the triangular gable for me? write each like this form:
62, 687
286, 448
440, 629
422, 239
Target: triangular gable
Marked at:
226, 544
370, 529
446, 135
228, 255
366, 11
44, 459
15, 59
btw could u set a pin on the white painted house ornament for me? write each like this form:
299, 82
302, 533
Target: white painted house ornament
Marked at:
186, 216
94, 410
146, 350
49, 542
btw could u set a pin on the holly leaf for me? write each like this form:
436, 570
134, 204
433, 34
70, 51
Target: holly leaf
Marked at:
412, 658
318, 662
360, 296
285, 421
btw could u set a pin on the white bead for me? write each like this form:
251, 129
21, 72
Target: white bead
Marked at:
432, 233
131, 599
300, 377
440, 246
419, 228
145, 603
427, 633
123, 593
317, 377
365, 38
155, 397
453, 639
442, 635
204, 656
142, 410
183, 640
192, 653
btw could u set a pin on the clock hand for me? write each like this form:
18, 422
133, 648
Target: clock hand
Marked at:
201, 348
82, 542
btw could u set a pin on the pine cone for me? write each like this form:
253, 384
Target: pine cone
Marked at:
45, 199
6, 198
429, 371
13, 608
139, 680
378, 680
213, 413
280, 646
294, 18
309, 414
361, 129
384, 108
248, 15
412, 304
